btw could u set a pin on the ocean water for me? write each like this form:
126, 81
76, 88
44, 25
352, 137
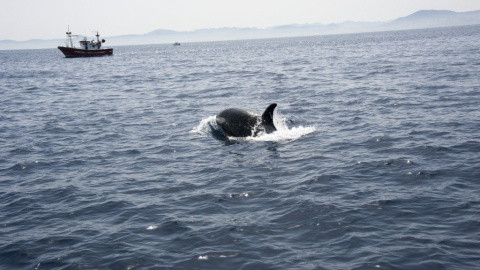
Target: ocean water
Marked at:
113, 162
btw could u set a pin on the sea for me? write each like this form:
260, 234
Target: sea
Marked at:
115, 163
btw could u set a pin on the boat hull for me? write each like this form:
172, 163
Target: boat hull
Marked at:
75, 52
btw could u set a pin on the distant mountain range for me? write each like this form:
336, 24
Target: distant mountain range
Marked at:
417, 20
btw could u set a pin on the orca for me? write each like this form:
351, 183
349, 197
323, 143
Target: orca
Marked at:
236, 122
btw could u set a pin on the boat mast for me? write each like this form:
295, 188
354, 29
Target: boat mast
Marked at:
69, 38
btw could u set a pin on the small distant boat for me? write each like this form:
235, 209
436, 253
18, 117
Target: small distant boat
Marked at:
176, 44
86, 49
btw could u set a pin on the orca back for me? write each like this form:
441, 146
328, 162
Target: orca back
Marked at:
237, 122
241, 123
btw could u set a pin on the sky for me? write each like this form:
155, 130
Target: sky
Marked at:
49, 19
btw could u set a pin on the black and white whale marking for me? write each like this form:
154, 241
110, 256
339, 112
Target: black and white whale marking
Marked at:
241, 123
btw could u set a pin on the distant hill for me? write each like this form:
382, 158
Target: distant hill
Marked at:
417, 20
434, 18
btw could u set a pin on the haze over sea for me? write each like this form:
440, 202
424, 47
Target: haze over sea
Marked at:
112, 162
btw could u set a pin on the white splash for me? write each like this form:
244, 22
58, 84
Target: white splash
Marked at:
205, 126
283, 135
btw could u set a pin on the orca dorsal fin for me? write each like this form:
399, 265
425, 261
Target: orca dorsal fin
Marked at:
267, 116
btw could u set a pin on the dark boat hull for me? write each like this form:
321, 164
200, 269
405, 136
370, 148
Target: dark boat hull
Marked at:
75, 52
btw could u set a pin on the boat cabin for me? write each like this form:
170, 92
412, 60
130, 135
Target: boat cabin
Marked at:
90, 45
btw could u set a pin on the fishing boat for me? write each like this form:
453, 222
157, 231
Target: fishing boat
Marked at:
86, 48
